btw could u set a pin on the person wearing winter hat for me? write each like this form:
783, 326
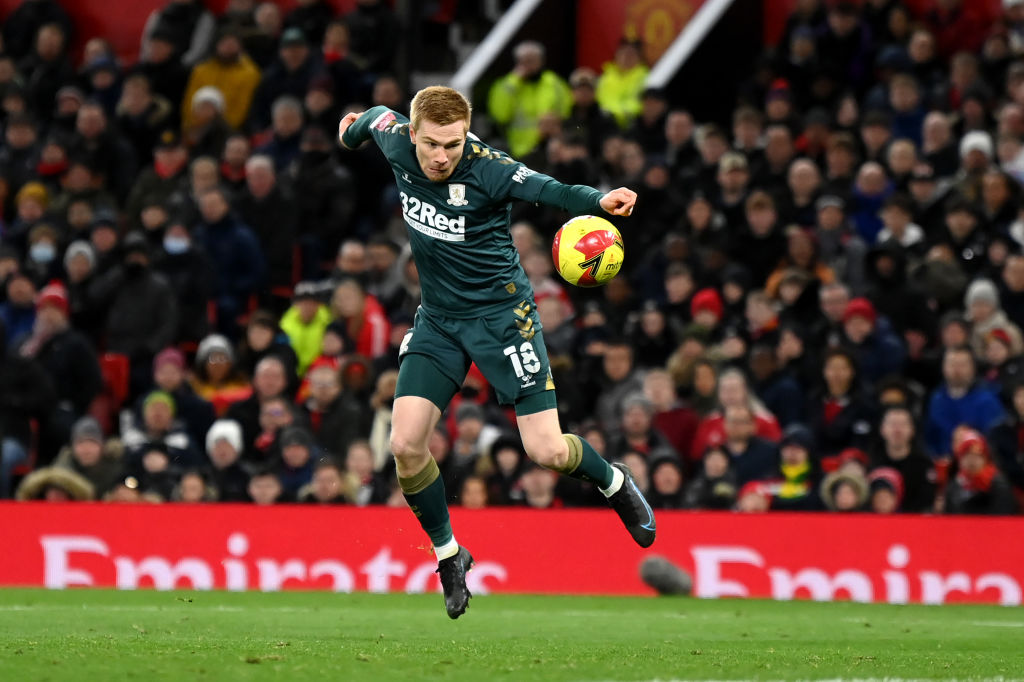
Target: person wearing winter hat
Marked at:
169, 375
799, 471
224, 449
844, 491
885, 490
985, 314
215, 377
298, 458
978, 486
665, 471
90, 455
706, 308
876, 347
69, 361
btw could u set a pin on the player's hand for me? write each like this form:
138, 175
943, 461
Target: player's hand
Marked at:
348, 120
619, 201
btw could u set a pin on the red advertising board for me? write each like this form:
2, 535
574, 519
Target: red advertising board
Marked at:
783, 556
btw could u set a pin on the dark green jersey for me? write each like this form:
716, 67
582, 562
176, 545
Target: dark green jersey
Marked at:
459, 228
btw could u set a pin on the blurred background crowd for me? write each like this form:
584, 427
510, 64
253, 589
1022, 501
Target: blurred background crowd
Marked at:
203, 295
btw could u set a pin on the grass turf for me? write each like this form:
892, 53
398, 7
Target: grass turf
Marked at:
146, 635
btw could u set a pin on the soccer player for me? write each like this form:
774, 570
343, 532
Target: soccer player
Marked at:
477, 306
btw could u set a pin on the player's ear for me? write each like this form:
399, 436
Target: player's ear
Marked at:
412, 134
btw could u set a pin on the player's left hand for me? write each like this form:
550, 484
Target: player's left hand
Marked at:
619, 201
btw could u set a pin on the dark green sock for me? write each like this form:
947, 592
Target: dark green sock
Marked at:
425, 494
585, 464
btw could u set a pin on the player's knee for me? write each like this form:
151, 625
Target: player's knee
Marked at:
406, 450
550, 453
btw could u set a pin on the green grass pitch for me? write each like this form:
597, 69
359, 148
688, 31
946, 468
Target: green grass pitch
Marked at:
146, 635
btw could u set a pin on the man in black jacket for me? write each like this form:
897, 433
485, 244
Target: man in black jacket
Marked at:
27, 393
70, 364
900, 450
143, 311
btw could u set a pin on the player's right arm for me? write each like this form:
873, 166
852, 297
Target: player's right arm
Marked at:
346, 123
356, 128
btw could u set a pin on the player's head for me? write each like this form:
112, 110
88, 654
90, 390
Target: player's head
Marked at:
439, 119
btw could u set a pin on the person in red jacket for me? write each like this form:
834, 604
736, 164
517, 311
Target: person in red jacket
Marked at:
733, 391
365, 323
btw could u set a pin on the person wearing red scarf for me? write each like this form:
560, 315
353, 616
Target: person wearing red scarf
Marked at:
978, 486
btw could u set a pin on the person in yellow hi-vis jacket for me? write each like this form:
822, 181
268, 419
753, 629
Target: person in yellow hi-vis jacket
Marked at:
518, 100
622, 83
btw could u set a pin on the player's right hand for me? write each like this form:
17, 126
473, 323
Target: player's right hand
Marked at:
346, 121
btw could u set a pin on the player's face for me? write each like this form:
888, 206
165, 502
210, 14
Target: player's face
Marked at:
439, 148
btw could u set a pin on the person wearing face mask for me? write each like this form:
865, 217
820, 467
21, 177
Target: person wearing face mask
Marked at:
69, 362
142, 313
190, 273
42, 264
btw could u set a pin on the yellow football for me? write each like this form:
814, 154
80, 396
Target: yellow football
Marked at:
588, 251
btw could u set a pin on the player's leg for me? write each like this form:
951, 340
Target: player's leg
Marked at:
432, 366
509, 349
573, 456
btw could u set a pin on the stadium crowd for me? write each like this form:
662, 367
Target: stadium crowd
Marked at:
204, 295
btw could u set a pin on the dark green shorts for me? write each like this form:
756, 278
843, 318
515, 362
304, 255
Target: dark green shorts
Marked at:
507, 346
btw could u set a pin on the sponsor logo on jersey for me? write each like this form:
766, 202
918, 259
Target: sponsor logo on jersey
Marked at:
425, 218
381, 122
522, 173
457, 194
405, 176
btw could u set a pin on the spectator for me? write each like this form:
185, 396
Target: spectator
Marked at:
22, 25
733, 391
978, 486
18, 157
752, 457
364, 485
263, 337
143, 311
161, 426
103, 149
666, 481
215, 376
186, 25
224, 450
289, 75
622, 82
876, 349
206, 131
959, 400
235, 249
285, 134
375, 33
335, 416
714, 487
165, 72
363, 317
18, 311
538, 485
885, 491
270, 210
986, 316
671, 418
636, 432
192, 488
845, 491
159, 181
70, 364
47, 69
230, 71
325, 212
518, 100
305, 323
265, 488
298, 457
777, 389
586, 117
270, 380
55, 484
900, 450
92, 457
329, 485
838, 414
800, 472
1006, 437
381, 402
190, 273
169, 376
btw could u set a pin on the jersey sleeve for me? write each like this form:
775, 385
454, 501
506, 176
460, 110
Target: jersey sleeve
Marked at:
377, 122
507, 178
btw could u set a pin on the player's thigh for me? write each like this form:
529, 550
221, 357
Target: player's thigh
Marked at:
432, 361
508, 347
542, 437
